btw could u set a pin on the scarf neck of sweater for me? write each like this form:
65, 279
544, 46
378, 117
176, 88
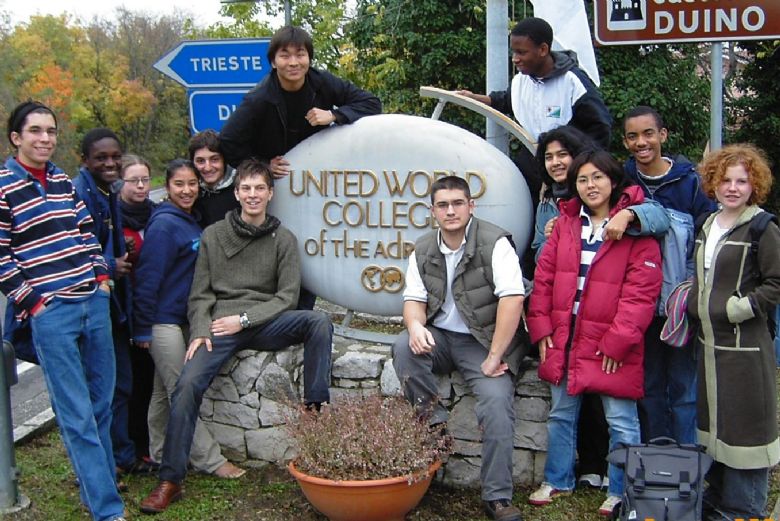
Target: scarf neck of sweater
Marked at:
560, 191
136, 215
250, 231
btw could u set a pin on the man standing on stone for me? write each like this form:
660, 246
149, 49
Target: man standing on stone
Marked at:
462, 306
243, 296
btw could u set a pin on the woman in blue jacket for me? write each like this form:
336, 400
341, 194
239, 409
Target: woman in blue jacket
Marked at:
163, 278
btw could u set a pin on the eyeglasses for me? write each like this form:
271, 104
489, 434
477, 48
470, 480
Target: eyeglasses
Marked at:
457, 204
138, 181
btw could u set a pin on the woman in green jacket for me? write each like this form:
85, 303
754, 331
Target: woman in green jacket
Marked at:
735, 286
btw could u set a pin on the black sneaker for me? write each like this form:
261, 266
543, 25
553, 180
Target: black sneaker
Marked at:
502, 510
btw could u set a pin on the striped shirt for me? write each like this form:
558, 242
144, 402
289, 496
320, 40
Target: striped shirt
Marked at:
46, 243
591, 239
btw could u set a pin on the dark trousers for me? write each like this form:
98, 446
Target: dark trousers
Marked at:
313, 328
592, 437
735, 493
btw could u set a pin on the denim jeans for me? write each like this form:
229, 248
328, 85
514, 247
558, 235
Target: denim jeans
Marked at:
669, 405
495, 399
621, 415
73, 343
735, 493
291, 327
124, 448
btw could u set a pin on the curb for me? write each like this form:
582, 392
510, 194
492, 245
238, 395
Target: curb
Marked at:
34, 426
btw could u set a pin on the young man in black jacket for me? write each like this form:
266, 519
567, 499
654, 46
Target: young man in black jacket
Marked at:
216, 196
292, 103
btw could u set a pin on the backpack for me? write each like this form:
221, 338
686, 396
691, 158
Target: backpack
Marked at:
758, 225
663, 480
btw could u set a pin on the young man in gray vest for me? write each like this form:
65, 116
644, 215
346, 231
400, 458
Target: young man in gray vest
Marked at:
462, 306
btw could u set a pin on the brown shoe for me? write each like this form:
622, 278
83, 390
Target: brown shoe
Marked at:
164, 494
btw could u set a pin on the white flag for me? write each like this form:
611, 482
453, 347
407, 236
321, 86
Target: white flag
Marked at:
571, 30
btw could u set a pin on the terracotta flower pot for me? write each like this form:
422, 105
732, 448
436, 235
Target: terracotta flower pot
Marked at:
370, 500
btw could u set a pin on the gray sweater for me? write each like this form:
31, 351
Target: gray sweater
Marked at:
233, 274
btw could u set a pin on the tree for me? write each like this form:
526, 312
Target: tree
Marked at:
664, 77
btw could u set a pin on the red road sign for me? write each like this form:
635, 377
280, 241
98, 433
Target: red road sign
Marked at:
624, 22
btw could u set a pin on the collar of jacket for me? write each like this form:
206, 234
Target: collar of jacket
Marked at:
14, 166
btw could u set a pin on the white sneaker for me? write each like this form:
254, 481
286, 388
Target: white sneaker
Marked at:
609, 504
545, 494
590, 480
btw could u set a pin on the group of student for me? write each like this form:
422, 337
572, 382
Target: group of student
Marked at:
120, 295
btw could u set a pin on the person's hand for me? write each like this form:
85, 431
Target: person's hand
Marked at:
130, 244
144, 344
280, 167
195, 344
617, 225
420, 340
548, 228
492, 366
122, 266
544, 344
226, 326
105, 286
609, 365
318, 117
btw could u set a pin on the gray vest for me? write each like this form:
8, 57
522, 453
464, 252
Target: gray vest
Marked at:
472, 286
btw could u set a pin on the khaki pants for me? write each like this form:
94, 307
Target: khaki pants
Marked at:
168, 348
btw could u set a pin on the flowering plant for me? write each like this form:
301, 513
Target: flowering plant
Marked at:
365, 438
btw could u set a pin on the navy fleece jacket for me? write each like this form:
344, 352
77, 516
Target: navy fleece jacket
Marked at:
164, 273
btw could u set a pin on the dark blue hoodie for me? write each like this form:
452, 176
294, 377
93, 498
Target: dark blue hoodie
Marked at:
165, 268
680, 190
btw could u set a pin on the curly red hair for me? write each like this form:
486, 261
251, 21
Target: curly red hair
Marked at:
713, 169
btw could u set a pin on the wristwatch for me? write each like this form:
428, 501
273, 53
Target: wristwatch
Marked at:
243, 320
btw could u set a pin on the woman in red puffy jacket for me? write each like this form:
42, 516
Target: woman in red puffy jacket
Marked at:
592, 301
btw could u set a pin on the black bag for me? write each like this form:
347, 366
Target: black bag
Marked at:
663, 480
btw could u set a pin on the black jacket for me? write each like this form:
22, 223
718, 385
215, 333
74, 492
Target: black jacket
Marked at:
258, 127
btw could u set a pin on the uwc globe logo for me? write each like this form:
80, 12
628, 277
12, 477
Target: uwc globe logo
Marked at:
359, 197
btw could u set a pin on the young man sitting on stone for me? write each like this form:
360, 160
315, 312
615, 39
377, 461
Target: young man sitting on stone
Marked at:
243, 296
462, 305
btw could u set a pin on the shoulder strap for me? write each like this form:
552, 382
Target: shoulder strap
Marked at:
757, 227
699, 223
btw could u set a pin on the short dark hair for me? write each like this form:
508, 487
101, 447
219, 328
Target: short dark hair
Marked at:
536, 29
18, 116
450, 182
207, 139
175, 164
571, 138
252, 167
644, 110
290, 35
604, 161
95, 135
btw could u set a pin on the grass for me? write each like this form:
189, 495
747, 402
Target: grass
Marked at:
264, 494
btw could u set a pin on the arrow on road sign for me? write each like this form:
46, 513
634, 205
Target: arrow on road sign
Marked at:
217, 63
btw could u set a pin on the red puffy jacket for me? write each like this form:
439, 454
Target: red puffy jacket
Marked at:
616, 306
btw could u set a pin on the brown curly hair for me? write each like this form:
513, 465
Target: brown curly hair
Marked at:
713, 169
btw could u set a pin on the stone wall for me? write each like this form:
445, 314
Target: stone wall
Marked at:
244, 408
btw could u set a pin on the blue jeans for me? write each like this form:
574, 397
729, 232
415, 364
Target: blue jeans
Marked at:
669, 405
313, 328
495, 399
621, 415
73, 343
735, 493
124, 448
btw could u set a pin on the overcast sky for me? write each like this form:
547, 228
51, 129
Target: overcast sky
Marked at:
205, 12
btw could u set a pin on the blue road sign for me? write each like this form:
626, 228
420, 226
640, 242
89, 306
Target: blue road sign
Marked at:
211, 108
217, 63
